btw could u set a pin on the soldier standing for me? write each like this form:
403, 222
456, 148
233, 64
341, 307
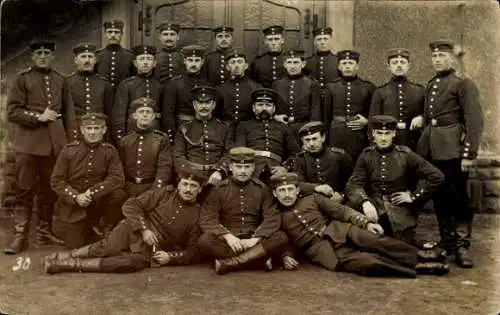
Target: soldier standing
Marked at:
268, 67
88, 181
160, 227
237, 218
169, 60
145, 152
347, 105
215, 62
401, 99
453, 122
35, 106
143, 84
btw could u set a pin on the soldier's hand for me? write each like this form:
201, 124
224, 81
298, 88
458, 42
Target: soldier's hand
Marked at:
234, 243
375, 228
337, 197
276, 170
370, 211
466, 165
324, 189
289, 263
161, 257
281, 118
250, 242
417, 122
357, 124
149, 238
83, 200
400, 197
215, 178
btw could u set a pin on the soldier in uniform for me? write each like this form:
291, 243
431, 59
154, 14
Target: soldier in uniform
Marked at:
268, 67
401, 99
347, 105
239, 225
339, 238
35, 106
177, 98
320, 168
160, 229
391, 183
203, 142
453, 122
215, 62
145, 152
300, 94
113, 61
169, 60
143, 84
90, 92
272, 141
88, 181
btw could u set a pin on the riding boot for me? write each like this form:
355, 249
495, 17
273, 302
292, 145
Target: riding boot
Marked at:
240, 261
53, 266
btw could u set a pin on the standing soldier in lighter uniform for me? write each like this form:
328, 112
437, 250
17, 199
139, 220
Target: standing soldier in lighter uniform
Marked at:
453, 122
215, 62
169, 60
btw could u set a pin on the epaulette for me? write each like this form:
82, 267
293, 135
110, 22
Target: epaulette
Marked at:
337, 150
159, 132
370, 148
402, 148
384, 85
224, 182
101, 76
301, 154
366, 81
72, 74
261, 55
108, 145
337, 79
177, 77
129, 79
128, 50
259, 182
27, 70
73, 143
417, 84
100, 49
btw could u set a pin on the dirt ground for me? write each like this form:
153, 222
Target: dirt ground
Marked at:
311, 290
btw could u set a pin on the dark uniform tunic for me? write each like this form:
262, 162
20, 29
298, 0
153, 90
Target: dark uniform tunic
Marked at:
215, 67
147, 160
378, 174
128, 91
115, 63
235, 99
333, 235
344, 99
404, 101
244, 210
80, 167
323, 67
169, 64
267, 68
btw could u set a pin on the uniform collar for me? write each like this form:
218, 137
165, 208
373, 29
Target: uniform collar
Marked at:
85, 73
113, 47
445, 72
92, 145
238, 79
296, 76
323, 53
399, 79
144, 131
145, 75
274, 53
240, 184
42, 70
170, 50
317, 154
387, 150
349, 78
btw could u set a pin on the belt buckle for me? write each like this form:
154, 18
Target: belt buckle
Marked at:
158, 115
434, 122
291, 119
401, 125
138, 180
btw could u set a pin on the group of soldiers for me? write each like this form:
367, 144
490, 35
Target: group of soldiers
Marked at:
151, 157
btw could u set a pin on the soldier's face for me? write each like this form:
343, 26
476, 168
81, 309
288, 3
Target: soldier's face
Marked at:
113, 35
441, 60
237, 66
294, 66
263, 109
42, 58
188, 189
383, 138
93, 133
224, 40
193, 64
286, 194
169, 38
144, 116
313, 143
204, 109
322, 42
145, 63
348, 67
399, 66
85, 61
274, 43
242, 172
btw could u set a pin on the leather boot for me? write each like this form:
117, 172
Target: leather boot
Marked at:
82, 252
432, 268
17, 245
45, 237
53, 266
432, 255
239, 262
463, 259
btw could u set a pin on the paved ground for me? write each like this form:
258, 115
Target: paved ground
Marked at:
311, 290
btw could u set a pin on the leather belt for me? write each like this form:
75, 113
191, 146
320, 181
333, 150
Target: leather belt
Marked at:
203, 167
269, 154
185, 117
344, 118
441, 122
140, 180
318, 237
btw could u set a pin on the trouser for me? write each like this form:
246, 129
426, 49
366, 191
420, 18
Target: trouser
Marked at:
33, 179
451, 205
399, 222
133, 190
353, 142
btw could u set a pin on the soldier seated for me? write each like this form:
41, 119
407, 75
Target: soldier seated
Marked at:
239, 225
88, 181
160, 228
340, 238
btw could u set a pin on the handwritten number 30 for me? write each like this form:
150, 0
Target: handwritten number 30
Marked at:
22, 263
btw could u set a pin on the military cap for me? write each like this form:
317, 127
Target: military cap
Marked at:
38, 44
204, 93
143, 102
322, 31
384, 122
168, 27
84, 48
144, 50
398, 52
294, 53
193, 51
311, 127
185, 171
113, 24
236, 53
242, 155
265, 94
284, 179
348, 54
442, 45
93, 119
273, 30
223, 28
